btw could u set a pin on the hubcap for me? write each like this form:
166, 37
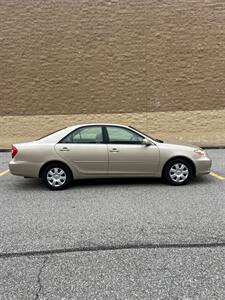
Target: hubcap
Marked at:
179, 172
56, 177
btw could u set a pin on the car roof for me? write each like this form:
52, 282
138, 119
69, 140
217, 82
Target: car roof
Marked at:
58, 135
97, 124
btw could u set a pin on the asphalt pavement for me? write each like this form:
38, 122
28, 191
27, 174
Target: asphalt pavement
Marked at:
113, 239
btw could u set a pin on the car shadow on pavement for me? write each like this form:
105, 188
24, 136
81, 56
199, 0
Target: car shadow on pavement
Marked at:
35, 184
117, 181
136, 181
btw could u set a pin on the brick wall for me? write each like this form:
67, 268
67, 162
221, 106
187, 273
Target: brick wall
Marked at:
102, 57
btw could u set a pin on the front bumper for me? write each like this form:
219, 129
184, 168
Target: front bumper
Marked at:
203, 165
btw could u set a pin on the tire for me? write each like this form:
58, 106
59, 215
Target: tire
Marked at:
178, 172
57, 176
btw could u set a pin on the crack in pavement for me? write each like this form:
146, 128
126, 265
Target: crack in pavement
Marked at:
112, 248
40, 286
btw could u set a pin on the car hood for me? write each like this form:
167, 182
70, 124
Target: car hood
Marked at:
177, 146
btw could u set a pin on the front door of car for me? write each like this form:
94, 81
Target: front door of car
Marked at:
85, 151
128, 155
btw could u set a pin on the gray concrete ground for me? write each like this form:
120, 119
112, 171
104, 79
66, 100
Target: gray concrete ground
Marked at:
113, 239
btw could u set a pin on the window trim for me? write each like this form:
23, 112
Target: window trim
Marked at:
81, 127
121, 127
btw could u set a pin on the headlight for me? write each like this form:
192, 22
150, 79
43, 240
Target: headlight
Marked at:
200, 152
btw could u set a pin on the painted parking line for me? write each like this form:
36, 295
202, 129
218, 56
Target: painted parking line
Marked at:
217, 176
4, 172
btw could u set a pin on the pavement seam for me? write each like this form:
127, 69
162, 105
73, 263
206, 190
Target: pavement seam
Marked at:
110, 248
40, 286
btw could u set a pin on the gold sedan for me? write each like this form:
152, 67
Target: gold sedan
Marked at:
105, 151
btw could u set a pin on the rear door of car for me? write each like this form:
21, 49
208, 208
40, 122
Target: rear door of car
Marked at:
127, 153
85, 151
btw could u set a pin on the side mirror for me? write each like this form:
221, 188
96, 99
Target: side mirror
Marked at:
146, 142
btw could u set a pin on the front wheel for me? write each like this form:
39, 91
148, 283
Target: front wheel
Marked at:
178, 172
57, 176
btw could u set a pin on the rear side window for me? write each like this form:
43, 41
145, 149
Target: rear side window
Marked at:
85, 135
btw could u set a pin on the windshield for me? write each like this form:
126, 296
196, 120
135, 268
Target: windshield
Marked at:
156, 140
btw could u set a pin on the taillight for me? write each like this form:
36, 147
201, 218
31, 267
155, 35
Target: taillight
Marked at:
14, 151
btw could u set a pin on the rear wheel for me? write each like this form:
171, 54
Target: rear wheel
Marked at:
57, 176
178, 172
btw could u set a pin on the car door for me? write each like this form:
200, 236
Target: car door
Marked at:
85, 151
128, 155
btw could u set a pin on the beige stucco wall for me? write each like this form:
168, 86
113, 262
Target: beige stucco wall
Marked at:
204, 128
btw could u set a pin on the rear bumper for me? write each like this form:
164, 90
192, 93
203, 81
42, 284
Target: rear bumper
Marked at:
22, 168
203, 165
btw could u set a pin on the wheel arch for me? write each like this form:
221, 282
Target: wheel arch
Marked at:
48, 163
180, 157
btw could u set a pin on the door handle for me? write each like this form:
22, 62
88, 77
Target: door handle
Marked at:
64, 149
114, 150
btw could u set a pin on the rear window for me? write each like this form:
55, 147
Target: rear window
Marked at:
50, 133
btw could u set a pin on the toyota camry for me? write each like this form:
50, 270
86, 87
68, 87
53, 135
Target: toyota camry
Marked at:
105, 151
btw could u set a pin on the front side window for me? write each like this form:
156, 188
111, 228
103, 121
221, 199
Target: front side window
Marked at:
119, 135
85, 135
